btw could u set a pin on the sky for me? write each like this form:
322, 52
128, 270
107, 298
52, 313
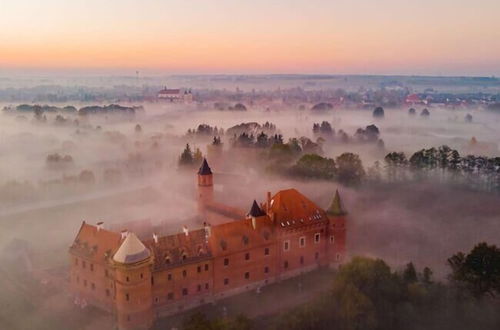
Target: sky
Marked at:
428, 37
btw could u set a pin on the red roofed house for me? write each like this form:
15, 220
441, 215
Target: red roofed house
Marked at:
140, 280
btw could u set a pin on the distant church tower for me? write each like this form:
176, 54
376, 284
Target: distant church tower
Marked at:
133, 263
205, 186
336, 231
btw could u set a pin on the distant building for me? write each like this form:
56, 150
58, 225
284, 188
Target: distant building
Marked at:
139, 280
175, 95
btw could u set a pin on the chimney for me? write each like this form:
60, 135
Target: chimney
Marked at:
99, 225
268, 202
124, 233
155, 238
185, 230
207, 230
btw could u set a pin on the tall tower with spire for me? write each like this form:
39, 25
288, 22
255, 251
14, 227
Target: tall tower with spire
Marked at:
336, 245
205, 186
133, 292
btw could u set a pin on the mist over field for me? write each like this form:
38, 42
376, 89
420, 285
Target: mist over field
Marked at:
57, 172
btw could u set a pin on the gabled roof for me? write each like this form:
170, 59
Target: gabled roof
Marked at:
172, 250
240, 235
131, 250
255, 210
336, 207
95, 244
204, 168
291, 208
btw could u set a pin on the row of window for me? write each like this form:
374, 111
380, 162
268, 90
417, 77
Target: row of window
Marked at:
302, 241
92, 285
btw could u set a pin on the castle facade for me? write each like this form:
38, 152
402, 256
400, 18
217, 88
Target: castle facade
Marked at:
141, 279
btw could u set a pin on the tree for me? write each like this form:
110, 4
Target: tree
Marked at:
186, 156
410, 274
378, 112
314, 166
138, 128
468, 118
412, 111
425, 113
350, 169
478, 271
197, 156
427, 275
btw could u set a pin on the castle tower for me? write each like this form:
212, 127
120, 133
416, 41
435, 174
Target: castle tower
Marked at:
337, 231
205, 186
133, 293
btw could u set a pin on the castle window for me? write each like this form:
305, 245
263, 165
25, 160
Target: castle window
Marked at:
199, 269
184, 273
223, 245
107, 292
184, 257
316, 237
167, 260
206, 267
92, 285
245, 240
152, 280
247, 275
332, 239
127, 297
142, 276
127, 279
302, 241
226, 281
266, 251
301, 260
91, 267
157, 300
170, 296
285, 264
266, 270
185, 292
247, 256
169, 277
199, 287
206, 286
286, 245
226, 261
316, 256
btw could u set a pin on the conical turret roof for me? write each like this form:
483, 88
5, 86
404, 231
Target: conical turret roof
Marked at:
204, 168
131, 250
255, 210
336, 207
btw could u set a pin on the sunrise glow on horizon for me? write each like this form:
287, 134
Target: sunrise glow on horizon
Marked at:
222, 36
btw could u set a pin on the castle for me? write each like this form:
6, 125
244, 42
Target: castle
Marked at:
138, 280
